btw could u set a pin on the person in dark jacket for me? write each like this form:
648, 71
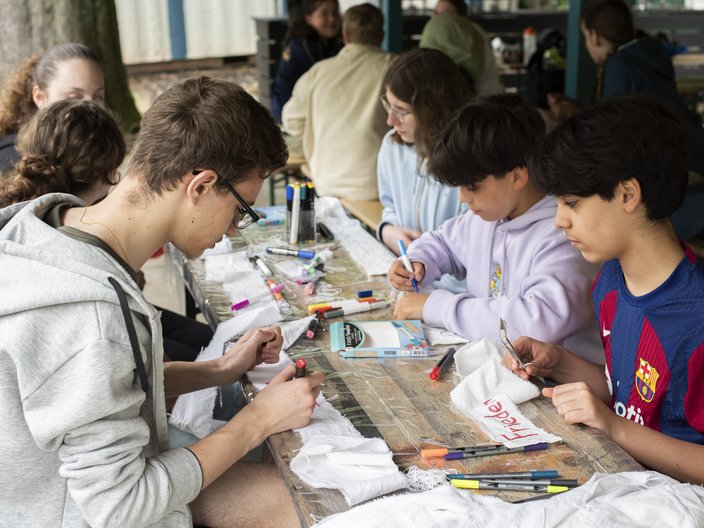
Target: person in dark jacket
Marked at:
630, 62
314, 37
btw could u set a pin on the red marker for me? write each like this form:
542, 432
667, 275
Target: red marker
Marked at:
301, 366
437, 369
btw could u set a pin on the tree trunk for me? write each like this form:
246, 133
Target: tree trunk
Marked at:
34, 26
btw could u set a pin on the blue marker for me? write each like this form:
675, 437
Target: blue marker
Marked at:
407, 263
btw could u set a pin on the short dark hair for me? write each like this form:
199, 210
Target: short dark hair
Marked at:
208, 124
488, 136
364, 24
433, 85
612, 19
617, 139
459, 5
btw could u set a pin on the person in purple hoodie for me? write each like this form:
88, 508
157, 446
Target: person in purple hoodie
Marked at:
515, 264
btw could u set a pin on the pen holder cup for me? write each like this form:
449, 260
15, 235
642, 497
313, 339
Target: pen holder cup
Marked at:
300, 216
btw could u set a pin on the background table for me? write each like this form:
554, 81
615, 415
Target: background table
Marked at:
395, 399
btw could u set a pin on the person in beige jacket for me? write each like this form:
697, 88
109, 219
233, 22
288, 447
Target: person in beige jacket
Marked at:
335, 107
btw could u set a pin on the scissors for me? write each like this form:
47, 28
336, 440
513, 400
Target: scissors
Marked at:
508, 345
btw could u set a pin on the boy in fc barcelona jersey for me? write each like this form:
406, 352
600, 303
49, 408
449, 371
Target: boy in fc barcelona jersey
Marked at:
619, 171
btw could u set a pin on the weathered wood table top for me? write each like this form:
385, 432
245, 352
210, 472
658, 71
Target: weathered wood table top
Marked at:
395, 399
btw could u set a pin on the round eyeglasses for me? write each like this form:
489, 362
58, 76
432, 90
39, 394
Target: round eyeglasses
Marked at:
399, 114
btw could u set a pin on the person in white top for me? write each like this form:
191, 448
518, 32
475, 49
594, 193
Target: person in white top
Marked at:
335, 108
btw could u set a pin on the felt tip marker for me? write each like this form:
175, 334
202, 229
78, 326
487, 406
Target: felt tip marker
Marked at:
363, 307
533, 475
568, 483
442, 364
407, 263
300, 253
439, 452
498, 450
246, 302
313, 325
516, 486
265, 269
301, 368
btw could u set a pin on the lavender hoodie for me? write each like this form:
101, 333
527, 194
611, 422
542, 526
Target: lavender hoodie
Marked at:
545, 288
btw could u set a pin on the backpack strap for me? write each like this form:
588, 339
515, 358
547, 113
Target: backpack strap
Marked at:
132, 333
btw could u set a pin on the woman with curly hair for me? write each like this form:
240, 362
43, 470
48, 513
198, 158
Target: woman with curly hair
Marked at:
74, 147
66, 71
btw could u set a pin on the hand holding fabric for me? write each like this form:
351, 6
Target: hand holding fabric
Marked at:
257, 345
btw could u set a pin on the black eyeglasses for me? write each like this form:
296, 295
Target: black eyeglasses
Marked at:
247, 215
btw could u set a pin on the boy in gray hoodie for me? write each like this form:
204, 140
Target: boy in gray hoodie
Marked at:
82, 383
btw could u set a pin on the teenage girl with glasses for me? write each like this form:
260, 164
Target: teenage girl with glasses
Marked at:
421, 89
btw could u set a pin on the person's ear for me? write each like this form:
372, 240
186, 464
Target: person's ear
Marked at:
199, 185
629, 193
519, 177
39, 97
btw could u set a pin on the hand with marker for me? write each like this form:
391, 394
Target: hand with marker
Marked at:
257, 345
391, 234
401, 279
577, 403
287, 403
410, 306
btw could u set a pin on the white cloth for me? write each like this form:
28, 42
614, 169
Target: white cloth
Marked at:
489, 394
361, 468
635, 499
484, 376
441, 336
374, 258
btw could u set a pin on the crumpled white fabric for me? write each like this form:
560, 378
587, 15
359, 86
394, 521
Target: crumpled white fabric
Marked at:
479, 363
486, 378
633, 499
361, 468
441, 336
193, 412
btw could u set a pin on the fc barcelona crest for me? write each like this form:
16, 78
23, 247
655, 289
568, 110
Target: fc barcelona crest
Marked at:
646, 379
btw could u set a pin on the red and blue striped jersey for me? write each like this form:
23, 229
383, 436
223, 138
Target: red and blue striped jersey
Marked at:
654, 346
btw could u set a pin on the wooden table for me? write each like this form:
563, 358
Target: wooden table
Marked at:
367, 211
395, 399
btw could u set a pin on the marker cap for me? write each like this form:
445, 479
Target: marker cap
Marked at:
436, 452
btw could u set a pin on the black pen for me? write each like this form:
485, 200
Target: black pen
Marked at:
499, 450
437, 369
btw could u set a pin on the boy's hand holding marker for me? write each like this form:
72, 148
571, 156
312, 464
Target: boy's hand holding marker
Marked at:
406, 276
401, 279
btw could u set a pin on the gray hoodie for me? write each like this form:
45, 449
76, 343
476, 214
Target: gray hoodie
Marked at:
80, 442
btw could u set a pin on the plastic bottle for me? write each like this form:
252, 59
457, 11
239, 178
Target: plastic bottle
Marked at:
530, 43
